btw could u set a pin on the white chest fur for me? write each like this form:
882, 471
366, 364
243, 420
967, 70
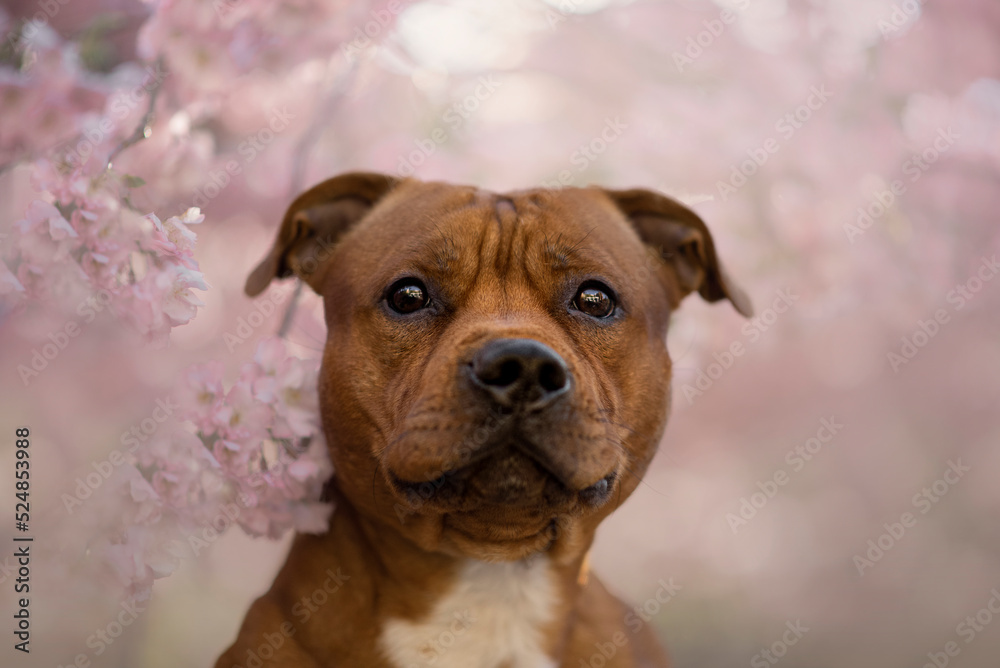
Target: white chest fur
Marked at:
491, 618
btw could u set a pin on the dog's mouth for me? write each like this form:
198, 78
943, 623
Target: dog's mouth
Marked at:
506, 478
505, 482
506, 506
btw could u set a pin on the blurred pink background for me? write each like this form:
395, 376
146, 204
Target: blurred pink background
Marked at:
845, 154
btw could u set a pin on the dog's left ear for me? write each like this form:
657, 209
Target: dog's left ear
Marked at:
684, 242
313, 223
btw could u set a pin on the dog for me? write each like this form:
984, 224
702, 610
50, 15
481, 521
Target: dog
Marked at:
494, 383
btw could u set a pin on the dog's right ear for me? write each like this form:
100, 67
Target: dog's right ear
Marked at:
312, 225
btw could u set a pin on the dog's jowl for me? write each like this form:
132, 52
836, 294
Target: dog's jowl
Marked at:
494, 384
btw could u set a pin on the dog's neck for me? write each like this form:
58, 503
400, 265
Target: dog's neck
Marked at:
420, 608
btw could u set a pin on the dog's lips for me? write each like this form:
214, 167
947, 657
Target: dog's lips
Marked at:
502, 479
506, 478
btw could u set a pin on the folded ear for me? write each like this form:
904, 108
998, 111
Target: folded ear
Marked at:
684, 243
313, 223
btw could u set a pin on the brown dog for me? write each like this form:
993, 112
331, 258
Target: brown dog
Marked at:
494, 384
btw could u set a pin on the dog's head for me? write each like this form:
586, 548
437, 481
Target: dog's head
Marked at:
495, 379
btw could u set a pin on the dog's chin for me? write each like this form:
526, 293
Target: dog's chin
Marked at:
487, 537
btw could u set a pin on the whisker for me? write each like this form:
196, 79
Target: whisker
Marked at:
378, 466
575, 247
642, 481
395, 439
305, 339
612, 423
662, 452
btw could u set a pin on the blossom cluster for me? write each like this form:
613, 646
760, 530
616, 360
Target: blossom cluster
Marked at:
105, 132
84, 241
95, 130
82, 237
212, 45
252, 455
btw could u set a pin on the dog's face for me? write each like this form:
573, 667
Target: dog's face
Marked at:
495, 379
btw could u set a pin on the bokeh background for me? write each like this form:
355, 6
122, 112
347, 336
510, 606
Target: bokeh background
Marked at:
786, 124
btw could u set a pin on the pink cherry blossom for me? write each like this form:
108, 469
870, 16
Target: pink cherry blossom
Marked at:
241, 417
172, 237
286, 383
44, 235
201, 394
243, 464
8, 281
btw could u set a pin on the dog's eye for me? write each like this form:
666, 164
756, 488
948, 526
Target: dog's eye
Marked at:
594, 299
407, 295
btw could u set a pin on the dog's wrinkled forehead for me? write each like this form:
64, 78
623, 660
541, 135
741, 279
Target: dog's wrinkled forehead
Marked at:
465, 237
359, 226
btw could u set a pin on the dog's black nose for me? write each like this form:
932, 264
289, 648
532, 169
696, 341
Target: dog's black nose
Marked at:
520, 373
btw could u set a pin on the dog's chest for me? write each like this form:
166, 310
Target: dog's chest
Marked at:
491, 618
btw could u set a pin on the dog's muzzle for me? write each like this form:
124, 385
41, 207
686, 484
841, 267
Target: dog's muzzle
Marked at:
528, 388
